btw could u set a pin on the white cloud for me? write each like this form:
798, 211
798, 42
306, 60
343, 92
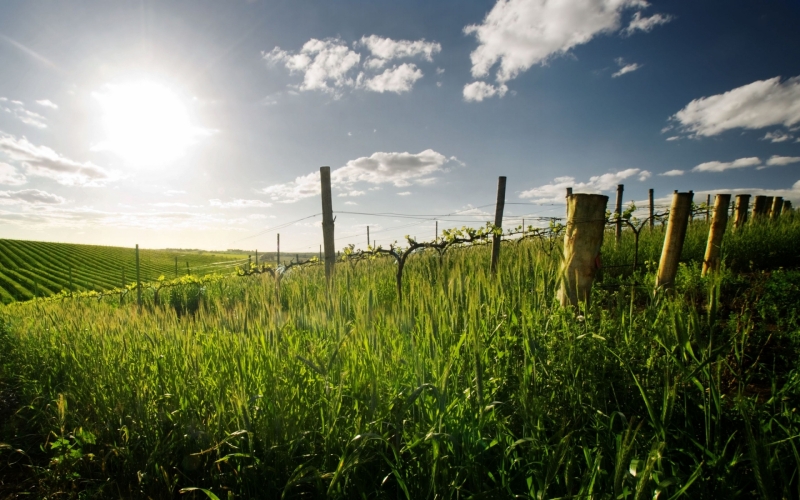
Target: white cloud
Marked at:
398, 79
625, 68
385, 49
404, 193
350, 203
776, 160
719, 166
672, 173
325, 64
478, 91
174, 204
44, 162
555, 192
399, 169
330, 65
17, 109
9, 175
520, 33
777, 136
354, 193
760, 104
673, 138
30, 196
239, 203
304, 186
47, 103
644, 175
646, 23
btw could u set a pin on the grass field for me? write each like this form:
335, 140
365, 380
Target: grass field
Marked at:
472, 388
39, 269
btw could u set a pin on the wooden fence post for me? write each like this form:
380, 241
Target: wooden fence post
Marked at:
708, 207
569, 193
673, 241
652, 212
278, 258
742, 204
320, 253
367, 236
256, 258
249, 263
498, 221
582, 241
777, 207
759, 209
327, 221
716, 232
139, 280
618, 213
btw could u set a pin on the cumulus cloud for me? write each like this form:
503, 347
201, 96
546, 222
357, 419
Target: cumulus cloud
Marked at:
26, 116
646, 24
719, 166
776, 160
44, 162
332, 66
625, 68
644, 175
30, 196
777, 136
398, 79
404, 193
760, 104
478, 91
385, 49
325, 64
672, 173
398, 169
555, 192
239, 203
47, 103
517, 34
9, 175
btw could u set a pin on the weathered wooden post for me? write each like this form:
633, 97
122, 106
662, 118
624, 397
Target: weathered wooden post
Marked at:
436, 234
618, 214
256, 258
582, 241
249, 262
777, 207
498, 221
673, 241
742, 204
652, 212
278, 258
715, 233
327, 221
320, 253
139, 280
759, 209
367, 236
569, 193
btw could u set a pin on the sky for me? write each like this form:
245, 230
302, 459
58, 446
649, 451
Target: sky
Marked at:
204, 124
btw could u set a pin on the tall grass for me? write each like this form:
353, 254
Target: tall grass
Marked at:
472, 388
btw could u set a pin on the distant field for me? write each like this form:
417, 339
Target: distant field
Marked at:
35, 268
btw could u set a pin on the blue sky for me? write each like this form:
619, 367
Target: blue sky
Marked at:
204, 124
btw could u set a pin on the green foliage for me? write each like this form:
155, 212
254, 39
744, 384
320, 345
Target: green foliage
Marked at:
268, 384
30, 269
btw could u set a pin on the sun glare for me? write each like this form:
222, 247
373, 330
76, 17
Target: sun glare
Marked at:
145, 123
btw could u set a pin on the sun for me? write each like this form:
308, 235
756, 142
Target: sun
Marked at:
145, 123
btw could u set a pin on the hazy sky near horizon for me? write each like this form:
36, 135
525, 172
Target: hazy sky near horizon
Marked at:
203, 124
